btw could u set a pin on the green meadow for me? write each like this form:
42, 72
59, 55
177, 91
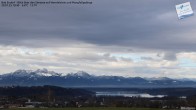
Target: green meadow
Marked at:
90, 108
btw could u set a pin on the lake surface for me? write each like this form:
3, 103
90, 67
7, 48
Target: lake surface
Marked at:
143, 92
127, 94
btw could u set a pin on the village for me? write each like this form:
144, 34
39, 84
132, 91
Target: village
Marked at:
102, 101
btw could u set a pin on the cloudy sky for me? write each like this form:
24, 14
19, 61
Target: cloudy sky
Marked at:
109, 37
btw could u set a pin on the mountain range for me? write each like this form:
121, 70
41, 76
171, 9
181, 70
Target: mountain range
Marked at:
42, 77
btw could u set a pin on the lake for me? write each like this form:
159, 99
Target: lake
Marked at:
143, 92
127, 94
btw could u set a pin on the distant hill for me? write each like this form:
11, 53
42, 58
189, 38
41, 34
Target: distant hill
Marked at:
43, 91
42, 77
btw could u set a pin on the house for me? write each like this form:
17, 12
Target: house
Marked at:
187, 108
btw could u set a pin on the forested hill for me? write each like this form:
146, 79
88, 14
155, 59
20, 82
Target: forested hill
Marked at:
43, 90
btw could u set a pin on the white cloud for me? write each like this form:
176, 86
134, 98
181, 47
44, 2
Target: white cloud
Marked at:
97, 60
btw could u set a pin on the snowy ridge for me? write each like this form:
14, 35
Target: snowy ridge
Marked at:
79, 74
31, 73
81, 78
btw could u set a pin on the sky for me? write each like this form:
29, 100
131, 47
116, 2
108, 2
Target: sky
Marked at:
127, 38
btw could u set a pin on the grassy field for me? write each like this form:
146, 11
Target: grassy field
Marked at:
91, 108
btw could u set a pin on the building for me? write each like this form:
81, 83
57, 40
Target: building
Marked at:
187, 108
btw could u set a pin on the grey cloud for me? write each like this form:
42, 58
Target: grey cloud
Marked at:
126, 59
170, 56
147, 58
139, 24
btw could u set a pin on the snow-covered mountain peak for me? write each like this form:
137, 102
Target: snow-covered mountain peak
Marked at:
80, 74
21, 73
36, 73
45, 72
